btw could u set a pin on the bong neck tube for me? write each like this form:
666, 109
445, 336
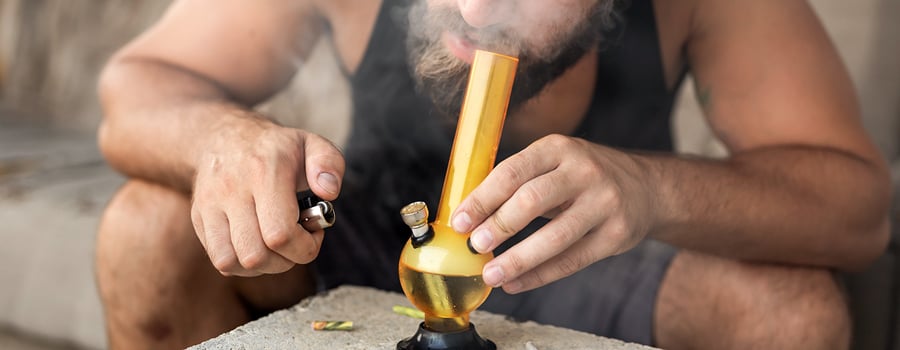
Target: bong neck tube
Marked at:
479, 128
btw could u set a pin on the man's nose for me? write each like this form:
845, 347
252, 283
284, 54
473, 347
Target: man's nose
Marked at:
485, 13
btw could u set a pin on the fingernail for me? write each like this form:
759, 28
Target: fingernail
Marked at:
328, 182
481, 239
493, 276
461, 222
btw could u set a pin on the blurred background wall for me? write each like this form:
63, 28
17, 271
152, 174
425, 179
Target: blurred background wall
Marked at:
52, 51
53, 183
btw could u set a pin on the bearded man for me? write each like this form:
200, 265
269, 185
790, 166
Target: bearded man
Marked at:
597, 226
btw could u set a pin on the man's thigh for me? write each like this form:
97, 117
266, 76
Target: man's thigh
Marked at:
710, 302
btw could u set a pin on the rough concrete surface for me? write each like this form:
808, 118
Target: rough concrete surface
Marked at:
376, 326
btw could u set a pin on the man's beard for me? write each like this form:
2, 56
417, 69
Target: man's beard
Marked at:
443, 76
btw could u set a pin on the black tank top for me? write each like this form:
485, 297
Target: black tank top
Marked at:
399, 144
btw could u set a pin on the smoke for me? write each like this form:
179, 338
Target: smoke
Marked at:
443, 77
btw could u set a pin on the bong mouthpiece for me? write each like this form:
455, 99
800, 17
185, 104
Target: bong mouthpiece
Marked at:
478, 130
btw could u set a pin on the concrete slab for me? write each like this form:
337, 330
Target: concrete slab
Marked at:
376, 326
53, 187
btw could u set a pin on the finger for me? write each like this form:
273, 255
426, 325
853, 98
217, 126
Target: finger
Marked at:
500, 185
324, 166
533, 199
251, 251
278, 213
550, 240
218, 243
552, 213
278, 216
592, 248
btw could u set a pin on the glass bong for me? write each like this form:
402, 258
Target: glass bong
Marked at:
439, 271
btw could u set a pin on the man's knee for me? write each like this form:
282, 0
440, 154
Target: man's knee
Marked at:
787, 305
729, 304
144, 225
146, 207
146, 252
144, 215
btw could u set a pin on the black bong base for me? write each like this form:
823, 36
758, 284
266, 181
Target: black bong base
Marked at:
427, 339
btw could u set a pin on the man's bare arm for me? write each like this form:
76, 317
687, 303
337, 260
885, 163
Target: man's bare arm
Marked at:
193, 73
804, 184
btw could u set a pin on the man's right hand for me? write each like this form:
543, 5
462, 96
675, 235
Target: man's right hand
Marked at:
244, 207
176, 112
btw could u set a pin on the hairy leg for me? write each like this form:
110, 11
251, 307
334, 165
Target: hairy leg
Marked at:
707, 302
159, 289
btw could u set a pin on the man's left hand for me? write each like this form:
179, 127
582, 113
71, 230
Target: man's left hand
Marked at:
600, 202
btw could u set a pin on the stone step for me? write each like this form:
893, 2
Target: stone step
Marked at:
53, 188
26, 150
376, 326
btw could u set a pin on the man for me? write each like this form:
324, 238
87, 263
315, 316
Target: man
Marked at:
674, 251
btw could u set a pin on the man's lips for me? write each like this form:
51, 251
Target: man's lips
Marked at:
459, 46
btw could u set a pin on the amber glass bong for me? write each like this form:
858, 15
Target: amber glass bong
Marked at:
439, 271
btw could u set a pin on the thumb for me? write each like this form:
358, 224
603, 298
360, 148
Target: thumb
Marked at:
324, 164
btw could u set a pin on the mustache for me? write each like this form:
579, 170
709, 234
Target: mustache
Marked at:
448, 19
430, 22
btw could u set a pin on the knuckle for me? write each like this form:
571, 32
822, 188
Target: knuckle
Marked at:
501, 226
539, 278
477, 206
326, 152
571, 263
257, 163
617, 231
591, 170
616, 197
253, 260
530, 198
612, 200
562, 144
559, 238
225, 184
513, 173
556, 141
226, 263
331, 161
516, 265
277, 239
331, 148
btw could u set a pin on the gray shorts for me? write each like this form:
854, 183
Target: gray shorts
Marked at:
614, 297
